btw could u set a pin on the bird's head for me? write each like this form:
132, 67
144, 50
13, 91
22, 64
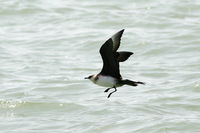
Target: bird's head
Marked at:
91, 78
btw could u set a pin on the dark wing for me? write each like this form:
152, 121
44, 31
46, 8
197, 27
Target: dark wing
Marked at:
110, 63
116, 38
122, 56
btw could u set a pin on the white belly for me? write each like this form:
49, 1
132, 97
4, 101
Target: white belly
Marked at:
106, 81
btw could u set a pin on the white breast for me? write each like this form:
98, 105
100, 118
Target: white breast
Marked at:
106, 81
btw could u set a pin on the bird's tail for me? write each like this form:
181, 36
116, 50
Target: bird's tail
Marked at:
131, 83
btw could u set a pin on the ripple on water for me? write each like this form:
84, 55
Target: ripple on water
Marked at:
48, 47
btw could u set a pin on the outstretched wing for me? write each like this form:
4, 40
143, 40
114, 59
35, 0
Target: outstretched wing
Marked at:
110, 63
111, 57
116, 38
122, 56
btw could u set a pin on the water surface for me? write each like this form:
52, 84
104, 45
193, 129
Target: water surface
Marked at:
48, 47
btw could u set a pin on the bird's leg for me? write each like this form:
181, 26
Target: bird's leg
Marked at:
108, 89
112, 92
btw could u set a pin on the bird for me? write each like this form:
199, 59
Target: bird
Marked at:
110, 74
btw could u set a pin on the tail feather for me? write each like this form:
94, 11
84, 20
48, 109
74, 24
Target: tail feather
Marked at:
131, 83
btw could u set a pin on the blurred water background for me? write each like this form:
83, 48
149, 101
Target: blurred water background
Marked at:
48, 47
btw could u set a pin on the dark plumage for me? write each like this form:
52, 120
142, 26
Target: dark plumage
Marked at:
110, 73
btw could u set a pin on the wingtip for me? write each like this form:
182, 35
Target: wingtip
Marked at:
121, 31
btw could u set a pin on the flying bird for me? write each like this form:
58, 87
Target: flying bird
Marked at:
110, 73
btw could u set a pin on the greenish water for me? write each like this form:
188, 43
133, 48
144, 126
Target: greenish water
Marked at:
48, 47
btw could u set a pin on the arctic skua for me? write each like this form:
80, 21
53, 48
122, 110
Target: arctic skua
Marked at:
110, 73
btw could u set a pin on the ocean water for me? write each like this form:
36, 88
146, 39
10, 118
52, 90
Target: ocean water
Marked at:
48, 47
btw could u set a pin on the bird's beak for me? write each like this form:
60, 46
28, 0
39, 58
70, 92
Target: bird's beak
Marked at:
86, 78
